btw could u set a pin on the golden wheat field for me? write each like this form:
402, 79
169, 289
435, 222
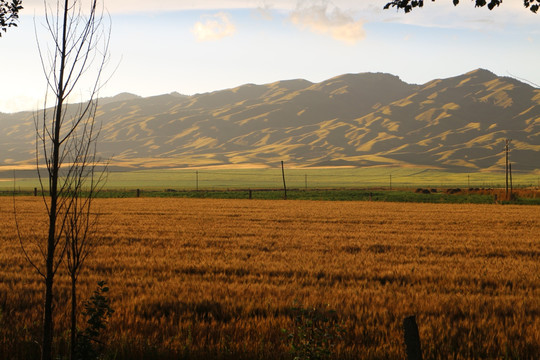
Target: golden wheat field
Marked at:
216, 279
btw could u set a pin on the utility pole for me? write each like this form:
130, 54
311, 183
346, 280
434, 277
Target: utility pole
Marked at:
506, 150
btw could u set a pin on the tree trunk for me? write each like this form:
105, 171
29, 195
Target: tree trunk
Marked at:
47, 318
46, 350
73, 317
54, 171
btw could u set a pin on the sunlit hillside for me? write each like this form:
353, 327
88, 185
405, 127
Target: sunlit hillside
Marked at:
366, 119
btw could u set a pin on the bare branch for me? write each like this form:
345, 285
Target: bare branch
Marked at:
19, 236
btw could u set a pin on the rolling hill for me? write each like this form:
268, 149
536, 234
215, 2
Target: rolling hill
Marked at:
368, 119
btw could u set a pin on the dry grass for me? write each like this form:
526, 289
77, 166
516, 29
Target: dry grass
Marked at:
199, 278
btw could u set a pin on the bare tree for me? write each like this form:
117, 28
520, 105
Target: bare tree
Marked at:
80, 229
66, 138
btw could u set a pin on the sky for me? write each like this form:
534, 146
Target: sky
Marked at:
197, 46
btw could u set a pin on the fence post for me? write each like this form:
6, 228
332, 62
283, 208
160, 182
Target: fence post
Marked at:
249, 194
35, 191
284, 185
412, 338
138, 192
511, 184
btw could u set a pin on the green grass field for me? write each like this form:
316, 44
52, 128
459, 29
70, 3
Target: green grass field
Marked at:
402, 195
355, 178
370, 184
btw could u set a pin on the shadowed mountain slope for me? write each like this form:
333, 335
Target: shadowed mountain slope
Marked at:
355, 119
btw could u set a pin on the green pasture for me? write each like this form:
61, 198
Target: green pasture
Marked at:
337, 178
402, 195
324, 195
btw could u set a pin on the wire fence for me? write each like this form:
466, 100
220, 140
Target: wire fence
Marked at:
271, 178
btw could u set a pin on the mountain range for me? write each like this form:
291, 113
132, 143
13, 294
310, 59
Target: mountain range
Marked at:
368, 119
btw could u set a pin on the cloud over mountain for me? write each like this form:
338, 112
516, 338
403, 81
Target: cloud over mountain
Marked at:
214, 27
323, 18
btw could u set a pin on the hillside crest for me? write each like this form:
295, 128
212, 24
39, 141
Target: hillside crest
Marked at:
369, 119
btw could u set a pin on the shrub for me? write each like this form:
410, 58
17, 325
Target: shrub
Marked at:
97, 310
315, 331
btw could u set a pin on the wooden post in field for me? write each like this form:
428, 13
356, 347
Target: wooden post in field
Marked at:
412, 338
506, 144
35, 191
511, 185
249, 194
284, 185
138, 192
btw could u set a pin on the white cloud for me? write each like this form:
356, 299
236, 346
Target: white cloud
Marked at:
20, 102
144, 6
214, 27
322, 18
434, 14
264, 11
